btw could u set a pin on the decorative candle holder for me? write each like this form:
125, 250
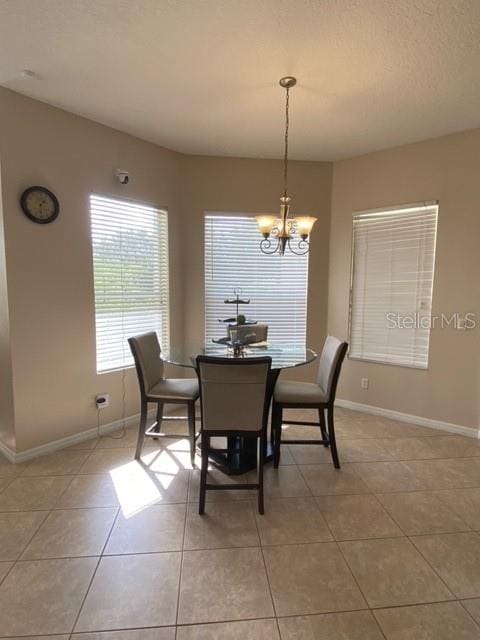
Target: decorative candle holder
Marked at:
238, 351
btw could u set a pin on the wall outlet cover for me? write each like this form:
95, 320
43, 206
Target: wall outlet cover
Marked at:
102, 400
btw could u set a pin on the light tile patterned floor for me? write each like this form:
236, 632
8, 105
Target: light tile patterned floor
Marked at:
95, 546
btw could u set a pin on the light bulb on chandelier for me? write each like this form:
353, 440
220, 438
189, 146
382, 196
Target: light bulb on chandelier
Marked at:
280, 233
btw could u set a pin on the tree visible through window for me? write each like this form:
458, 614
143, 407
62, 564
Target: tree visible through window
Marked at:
130, 265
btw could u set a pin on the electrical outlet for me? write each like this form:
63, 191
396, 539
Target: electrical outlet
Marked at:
364, 383
102, 400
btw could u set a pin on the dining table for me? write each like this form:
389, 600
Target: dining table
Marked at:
242, 454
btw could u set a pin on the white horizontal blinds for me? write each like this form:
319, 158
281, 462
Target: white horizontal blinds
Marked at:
392, 281
276, 285
130, 263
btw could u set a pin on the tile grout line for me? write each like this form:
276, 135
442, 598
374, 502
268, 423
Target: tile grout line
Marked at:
314, 495
98, 562
94, 573
337, 543
265, 546
431, 565
8, 573
272, 600
461, 602
339, 548
372, 609
350, 570
414, 546
234, 620
390, 515
36, 531
182, 553
45, 518
261, 546
452, 509
340, 436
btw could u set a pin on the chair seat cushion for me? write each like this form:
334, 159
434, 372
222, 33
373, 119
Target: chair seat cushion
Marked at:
304, 393
175, 389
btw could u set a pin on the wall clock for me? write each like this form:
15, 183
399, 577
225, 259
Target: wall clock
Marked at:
39, 205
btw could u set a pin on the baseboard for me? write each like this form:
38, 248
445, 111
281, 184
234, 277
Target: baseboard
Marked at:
76, 438
449, 427
105, 429
7, 452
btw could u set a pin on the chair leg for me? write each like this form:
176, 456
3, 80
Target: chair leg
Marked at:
272, 431
203, 473
191, 431
331, 437
141, 430
158, 426
261, 458
323, 426
277, 413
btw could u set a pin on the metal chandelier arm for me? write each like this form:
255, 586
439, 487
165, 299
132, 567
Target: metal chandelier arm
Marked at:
303, 247
268, 247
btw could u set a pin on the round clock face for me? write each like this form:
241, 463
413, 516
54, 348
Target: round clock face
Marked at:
40, 205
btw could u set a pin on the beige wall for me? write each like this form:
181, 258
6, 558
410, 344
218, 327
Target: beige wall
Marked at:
47, 330
444, 169
49, 268
254, 186
7, 431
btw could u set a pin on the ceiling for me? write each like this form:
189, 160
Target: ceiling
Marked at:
201, 76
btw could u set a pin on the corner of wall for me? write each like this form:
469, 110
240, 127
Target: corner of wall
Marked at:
7, 414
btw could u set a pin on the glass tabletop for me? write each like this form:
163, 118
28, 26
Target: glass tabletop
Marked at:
283, 357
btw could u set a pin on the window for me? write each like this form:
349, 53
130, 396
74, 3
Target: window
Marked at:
392, 279
130, 265
276, 285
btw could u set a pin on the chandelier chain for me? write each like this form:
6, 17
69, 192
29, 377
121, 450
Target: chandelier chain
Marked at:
285, 158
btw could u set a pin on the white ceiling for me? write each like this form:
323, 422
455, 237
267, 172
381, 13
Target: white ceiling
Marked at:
200, 76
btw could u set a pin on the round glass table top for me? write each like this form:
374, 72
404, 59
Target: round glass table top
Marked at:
283, 357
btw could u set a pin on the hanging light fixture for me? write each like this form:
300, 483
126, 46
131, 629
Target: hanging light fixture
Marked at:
282, 232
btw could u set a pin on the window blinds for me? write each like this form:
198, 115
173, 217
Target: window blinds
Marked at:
130, 264
276, 285
392, 279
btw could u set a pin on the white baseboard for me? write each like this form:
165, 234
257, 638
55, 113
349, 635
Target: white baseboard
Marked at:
62, 443
405, 417
76, 438
7, 452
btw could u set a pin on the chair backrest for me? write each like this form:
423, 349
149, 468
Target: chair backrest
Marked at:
146, 353
242, 332
233, 393
333, 355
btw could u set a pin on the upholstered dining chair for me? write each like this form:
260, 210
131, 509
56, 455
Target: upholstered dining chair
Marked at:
306, 395
240, 332
233, 398
155, 388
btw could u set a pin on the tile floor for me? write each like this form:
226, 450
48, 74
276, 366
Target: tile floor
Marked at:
95, 546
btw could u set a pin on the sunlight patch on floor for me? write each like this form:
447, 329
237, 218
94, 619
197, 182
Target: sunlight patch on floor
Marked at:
137, 487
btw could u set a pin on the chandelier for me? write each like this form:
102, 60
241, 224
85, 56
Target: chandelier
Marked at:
284, 231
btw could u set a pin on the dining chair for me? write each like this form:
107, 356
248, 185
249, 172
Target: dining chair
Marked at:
309, 395
258, 332
155, 388
233, 399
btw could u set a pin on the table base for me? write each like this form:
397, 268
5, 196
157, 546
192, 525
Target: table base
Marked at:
241, 460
